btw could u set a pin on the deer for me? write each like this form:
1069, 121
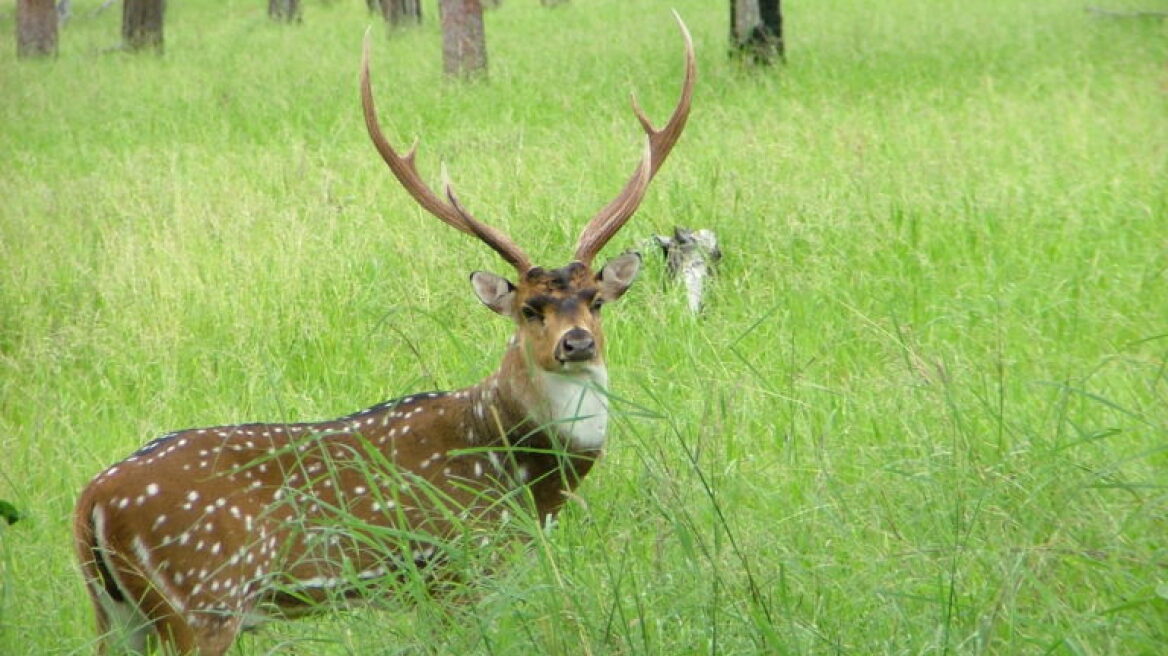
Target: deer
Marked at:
204, 532
690, 256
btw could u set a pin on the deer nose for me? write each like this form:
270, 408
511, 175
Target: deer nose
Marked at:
576, 345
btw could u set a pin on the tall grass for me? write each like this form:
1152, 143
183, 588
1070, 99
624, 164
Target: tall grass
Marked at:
925, 410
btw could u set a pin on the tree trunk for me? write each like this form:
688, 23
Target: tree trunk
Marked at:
284, 11
401, 12
464, 44
64, 12
142, 24
756, 30
36, 28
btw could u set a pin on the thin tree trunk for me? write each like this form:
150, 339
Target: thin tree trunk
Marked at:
756, 30
771, 12
401, 12
464, 43
64, 12
142, 24
284, 11
36, 28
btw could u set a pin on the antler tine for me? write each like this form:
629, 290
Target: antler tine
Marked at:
613, 216
405, 170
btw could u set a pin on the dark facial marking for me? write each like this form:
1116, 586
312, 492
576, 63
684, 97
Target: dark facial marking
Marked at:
537, 306
541, 302
554, 280
560, 291
586, 296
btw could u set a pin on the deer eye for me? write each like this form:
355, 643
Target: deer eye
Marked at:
531, 314
597, 304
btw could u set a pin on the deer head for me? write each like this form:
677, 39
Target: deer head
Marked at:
556, 311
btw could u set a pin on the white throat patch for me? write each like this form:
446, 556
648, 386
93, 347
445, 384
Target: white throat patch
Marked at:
578, 403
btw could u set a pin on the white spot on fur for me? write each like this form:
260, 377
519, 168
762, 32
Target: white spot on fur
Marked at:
146, 564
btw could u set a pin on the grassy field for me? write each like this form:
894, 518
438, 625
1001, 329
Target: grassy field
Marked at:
926, 410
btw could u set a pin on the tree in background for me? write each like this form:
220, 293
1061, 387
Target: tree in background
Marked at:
464, 43
399, 12
64, 12
142, 24
36, 28
756, 30
284, 11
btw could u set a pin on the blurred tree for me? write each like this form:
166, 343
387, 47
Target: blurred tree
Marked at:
64, 12
142, 24
36, 28
464, 44
756, 30
399, 12
284, 11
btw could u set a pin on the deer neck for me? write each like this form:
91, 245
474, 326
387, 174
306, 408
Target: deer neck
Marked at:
521, 403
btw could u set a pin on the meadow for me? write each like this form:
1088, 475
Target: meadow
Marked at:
925, 409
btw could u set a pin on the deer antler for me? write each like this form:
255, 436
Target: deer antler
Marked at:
406, 172
613, 216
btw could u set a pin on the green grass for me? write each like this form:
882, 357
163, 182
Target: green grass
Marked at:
926, 411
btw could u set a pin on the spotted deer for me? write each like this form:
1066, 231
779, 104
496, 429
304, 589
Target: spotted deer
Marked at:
202, 531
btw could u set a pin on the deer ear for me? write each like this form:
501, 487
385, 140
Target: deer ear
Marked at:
618, 274
496, 292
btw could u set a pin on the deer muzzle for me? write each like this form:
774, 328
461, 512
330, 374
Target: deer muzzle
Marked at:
576, 345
